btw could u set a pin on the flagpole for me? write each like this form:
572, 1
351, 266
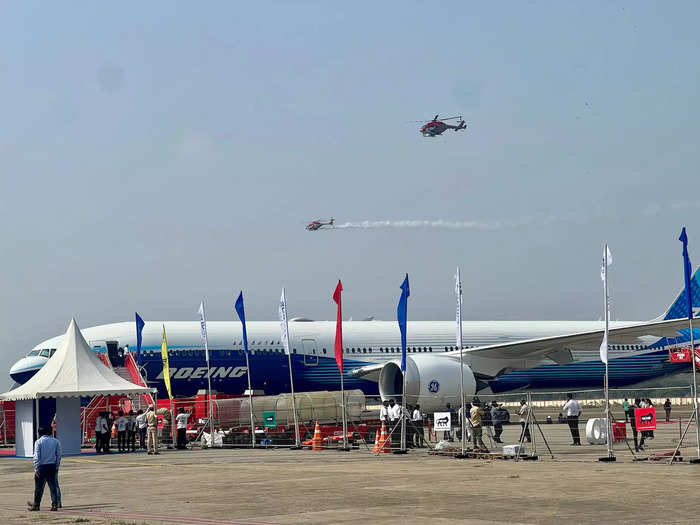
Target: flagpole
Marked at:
250, 402
206, 353
345, 419
285, 342
461, 362
607, 327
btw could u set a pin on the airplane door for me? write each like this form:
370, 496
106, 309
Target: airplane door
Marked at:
310, 352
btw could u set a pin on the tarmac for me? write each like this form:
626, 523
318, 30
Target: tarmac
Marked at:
281, 486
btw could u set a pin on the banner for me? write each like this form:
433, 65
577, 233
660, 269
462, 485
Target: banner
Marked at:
607, 261
339, 327
241, 315
203, 324
401, 315
686, 272
458, 291
166, 365
681, 355
139, 329
443, 421
645, 418
284, 326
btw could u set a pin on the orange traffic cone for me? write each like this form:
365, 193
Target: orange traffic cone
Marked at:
317, 441
384, 441
376, 441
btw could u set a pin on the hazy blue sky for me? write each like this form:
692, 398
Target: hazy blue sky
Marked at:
156, 153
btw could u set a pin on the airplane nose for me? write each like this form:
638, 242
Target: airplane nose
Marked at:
25, 368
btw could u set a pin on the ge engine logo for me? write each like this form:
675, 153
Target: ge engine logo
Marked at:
434, 386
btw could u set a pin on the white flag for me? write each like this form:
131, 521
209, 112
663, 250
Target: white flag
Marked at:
203, 324
458, 291
607, 261
284, 328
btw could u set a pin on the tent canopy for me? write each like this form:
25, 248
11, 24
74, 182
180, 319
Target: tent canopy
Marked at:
73, 371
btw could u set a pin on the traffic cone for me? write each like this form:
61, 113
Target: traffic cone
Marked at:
384, 441
317, 441
376, 441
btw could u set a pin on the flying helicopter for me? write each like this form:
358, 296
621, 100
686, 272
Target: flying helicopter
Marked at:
317, 225
437, 127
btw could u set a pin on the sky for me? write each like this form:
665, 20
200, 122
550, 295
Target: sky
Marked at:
156, 154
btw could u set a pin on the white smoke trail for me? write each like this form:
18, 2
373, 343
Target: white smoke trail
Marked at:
439, 223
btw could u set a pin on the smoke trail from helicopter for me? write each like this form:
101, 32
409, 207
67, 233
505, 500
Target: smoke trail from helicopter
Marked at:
439, 223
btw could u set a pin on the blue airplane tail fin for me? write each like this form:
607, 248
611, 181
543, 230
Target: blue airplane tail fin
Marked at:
679, 307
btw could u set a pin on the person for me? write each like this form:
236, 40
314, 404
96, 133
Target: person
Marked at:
141, 425
649, 434
181, 420
447, 434
101, 433
633, 423
667, 409
152, 422
572, 411
475, 417
131, 432
497, 418
525, 428
626, 408
217, 437
384, 413
122, 422
417, 420
394, 416
47, 459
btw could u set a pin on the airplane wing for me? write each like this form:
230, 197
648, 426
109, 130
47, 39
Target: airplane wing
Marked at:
527, 353
558, 347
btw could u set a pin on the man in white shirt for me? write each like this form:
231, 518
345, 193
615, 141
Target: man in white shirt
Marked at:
384, 413
121, 423
572, 410
181, 420
101, 433
417, 421
141, 427
525, 428
394, 417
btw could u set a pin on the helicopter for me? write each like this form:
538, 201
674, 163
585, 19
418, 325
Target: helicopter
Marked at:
437, 127
317, 225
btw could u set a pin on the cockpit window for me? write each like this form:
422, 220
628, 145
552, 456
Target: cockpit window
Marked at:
44, 352
33, 352
53, 351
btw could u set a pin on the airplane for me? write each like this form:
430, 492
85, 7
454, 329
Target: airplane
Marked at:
437, 127
317, 225
498, 356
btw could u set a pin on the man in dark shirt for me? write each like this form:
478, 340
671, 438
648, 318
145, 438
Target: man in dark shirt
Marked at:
47, 458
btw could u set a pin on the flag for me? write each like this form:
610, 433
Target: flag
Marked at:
203, 324
166, 366
139, 328
339, 327
687, 271
401, 314
458, 291
284, 327
241, 316
607, 261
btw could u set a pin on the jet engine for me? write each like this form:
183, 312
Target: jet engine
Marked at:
432, 381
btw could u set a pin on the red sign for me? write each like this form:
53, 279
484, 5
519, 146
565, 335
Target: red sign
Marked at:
645, 418
682, 355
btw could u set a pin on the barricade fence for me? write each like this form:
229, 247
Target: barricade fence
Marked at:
273, 421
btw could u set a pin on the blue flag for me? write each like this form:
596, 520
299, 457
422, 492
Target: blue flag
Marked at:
687, 270
139, 328
401, 314
241, 316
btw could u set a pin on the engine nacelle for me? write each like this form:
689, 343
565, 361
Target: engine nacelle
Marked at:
431, 381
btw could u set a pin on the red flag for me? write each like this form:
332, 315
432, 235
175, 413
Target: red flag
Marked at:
339, 328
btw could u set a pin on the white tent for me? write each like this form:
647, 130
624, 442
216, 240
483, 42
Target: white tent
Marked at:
73, 371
